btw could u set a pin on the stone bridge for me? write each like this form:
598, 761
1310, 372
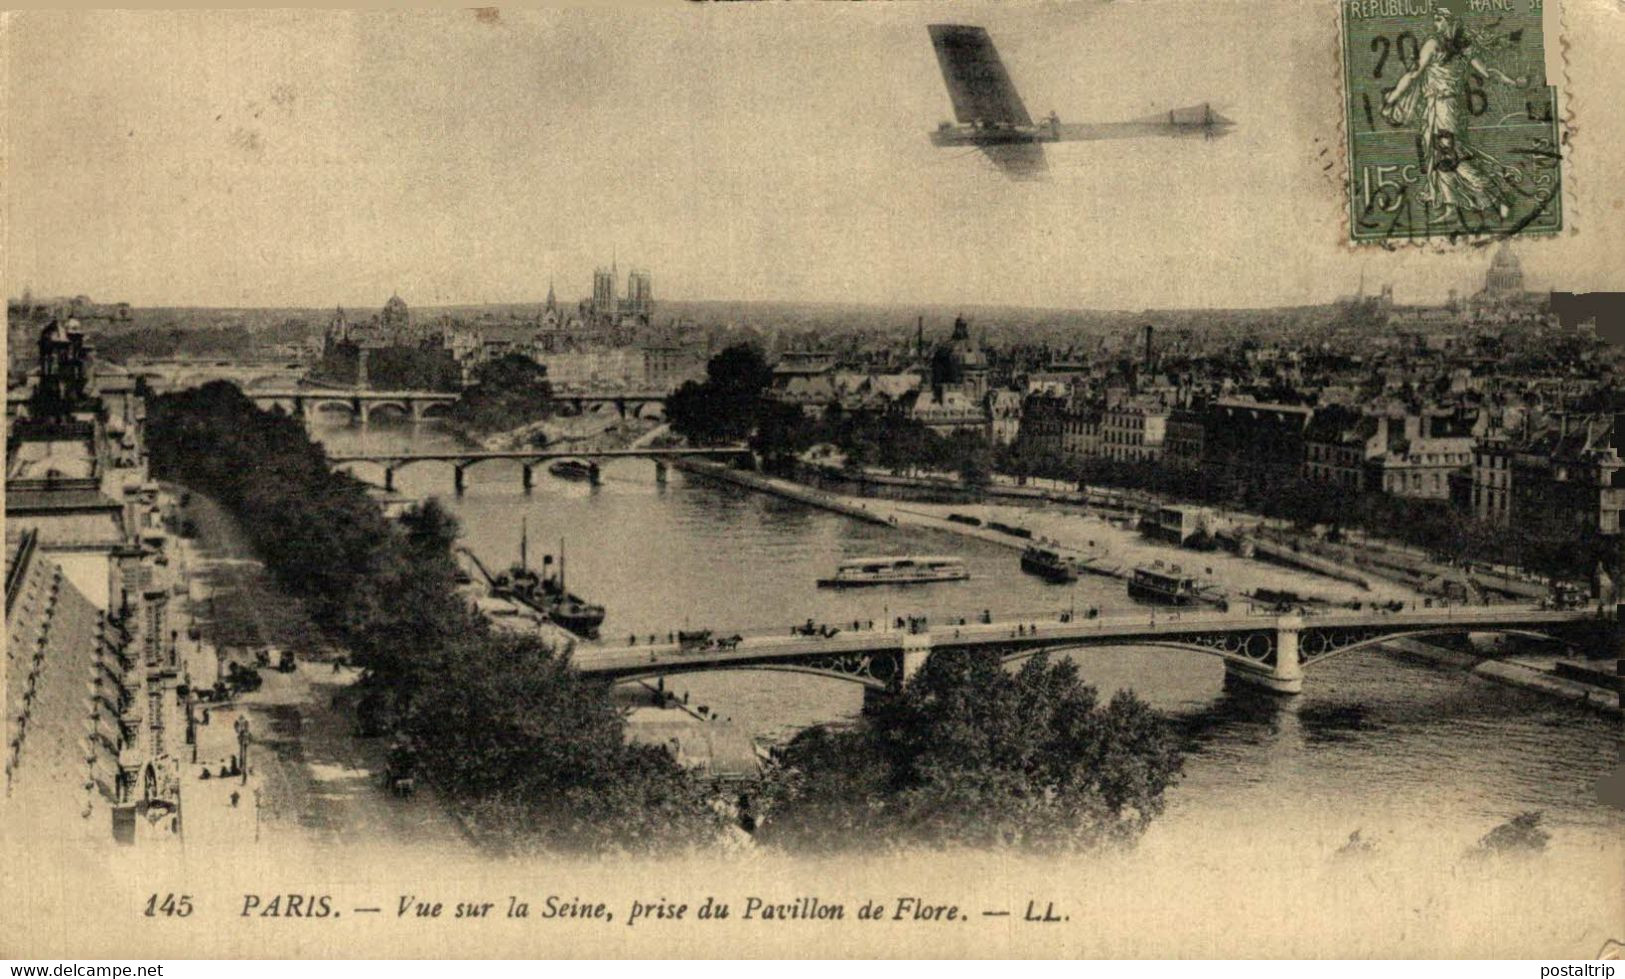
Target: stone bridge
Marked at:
180, 373
461, 459
360, 404
357, 403
1269, 651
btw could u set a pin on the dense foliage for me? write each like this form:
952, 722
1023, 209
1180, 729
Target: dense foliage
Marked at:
727, 405
971, 754
501, 724
507, 393
893, 442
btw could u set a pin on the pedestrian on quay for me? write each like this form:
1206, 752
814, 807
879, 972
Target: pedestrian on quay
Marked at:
242, 729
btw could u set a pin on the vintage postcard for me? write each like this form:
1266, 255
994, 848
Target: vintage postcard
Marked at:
794, 480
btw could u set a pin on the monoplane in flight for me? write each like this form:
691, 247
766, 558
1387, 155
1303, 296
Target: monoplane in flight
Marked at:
991, 117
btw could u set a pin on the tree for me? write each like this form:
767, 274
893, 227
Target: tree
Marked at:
727, 406
532, 750
507, 392
970, 753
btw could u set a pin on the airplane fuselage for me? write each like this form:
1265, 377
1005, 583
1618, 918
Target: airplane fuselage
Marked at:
1053, 131
993, 135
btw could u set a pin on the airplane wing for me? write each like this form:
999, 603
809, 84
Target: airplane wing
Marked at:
1019, 161
979, 86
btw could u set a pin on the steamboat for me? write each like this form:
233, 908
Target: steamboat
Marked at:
547, 594
1170, 585
1049, 564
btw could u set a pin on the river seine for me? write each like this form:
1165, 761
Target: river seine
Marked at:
1375, 743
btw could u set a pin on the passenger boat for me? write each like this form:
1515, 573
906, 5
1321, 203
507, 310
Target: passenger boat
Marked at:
1169, 585
579, 470
895, 571
1049, 565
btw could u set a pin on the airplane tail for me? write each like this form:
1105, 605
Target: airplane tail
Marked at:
1193, 118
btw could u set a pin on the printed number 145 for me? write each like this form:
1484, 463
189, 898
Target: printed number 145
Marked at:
170, 906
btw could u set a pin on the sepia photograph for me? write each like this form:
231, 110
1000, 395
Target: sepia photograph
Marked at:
947, 479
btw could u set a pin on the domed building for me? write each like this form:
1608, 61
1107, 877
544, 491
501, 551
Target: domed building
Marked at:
388, 352
396, 316
1503, 283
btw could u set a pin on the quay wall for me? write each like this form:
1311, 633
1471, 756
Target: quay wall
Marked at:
780, 487
1510, 674
1309, 562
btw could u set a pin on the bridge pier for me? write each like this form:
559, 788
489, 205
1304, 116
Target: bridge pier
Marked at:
457, 478
910, 660
389, 479
660, 472
1285, 675
916, 650
527, 476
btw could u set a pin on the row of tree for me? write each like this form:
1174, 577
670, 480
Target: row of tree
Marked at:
503, 725
968, 753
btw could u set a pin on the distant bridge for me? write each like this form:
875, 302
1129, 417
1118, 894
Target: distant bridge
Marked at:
461, 459
180, 373
1269, 651
360, 403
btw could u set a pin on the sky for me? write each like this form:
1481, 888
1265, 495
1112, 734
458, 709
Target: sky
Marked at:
737, 151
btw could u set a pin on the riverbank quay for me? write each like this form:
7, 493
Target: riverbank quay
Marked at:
1101, 544
706, 744
781, 487
1359, 559
1553, 676
947, 488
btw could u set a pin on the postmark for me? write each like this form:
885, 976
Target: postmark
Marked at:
1452, 126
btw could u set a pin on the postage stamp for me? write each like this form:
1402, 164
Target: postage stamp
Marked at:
1452, 127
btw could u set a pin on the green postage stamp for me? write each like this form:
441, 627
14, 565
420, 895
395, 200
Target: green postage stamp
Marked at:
1452, 127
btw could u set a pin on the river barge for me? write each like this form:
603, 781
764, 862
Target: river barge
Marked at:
577, 470
908, 570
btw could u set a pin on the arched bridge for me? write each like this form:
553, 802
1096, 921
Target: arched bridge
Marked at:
461, 459
360, 403
1270, 651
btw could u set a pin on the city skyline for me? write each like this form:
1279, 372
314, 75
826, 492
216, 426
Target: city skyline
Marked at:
345, 156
